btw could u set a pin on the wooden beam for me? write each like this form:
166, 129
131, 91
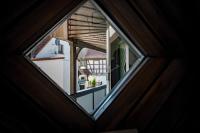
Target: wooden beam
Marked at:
85, 33
48, 58
95, 43
82, 25
91, 38
85, 27
91, 35
91, 8
96, 29
83, 21
78, 51
82, 44
72, 68
83, 15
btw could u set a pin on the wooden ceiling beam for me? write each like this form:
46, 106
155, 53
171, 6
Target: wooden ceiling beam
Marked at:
85, 33
84, 25
89, 35
92, 38
88, 29
83, 21
87, 16
93, 41
91, 8
82, 44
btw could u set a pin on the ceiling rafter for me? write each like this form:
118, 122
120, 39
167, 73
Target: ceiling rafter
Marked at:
86, 25
85, 33
84, 21
91, 38
82, 44
91, 8
94, 43
90, 35
101, 29
87, 16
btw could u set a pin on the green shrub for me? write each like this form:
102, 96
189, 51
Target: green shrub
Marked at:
94, 82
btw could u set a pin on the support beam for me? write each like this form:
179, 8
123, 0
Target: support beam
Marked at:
90, 35
88, 22
78, 50
96, 29
91, 38
91, 8
88, 45
73, 68
84, 25
83, 15
86, 33
94, 42
98, 44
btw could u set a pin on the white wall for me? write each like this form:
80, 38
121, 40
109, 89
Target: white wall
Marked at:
53, 68
49, 50
58, 69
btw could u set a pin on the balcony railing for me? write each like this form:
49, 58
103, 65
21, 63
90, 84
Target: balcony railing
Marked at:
90, 98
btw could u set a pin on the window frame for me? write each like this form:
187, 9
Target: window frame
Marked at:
53, 101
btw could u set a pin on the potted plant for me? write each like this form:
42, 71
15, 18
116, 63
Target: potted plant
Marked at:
93, 82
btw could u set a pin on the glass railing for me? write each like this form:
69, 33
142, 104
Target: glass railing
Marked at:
90, 98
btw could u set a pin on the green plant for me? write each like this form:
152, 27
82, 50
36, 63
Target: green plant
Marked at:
94, 82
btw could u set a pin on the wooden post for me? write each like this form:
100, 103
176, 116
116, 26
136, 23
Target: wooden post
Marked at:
108, 58
73, 68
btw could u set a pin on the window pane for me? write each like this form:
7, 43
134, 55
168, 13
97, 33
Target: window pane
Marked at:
91, 70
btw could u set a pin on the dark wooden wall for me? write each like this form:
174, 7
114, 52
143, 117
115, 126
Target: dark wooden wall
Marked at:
177, 111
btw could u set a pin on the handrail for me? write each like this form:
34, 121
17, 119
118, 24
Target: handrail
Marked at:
88, 91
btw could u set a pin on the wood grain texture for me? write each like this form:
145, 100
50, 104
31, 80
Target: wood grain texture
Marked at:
158, 93
37, 22
46, 94
153, 16
142, 97
130, 95
129, 21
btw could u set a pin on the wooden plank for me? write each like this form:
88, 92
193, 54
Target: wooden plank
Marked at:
53, 100
87, 25
87, 16
93, 41
130, 22
19, 112
90, 35
83, 21
48, 12
73, 67
153, 100
133, 91
91, 38
47, 58
88, 45
88, 29
153, 15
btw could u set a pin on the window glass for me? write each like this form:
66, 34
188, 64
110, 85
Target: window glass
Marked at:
87, 56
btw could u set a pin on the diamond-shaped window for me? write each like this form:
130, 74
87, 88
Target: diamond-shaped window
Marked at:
87, 57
